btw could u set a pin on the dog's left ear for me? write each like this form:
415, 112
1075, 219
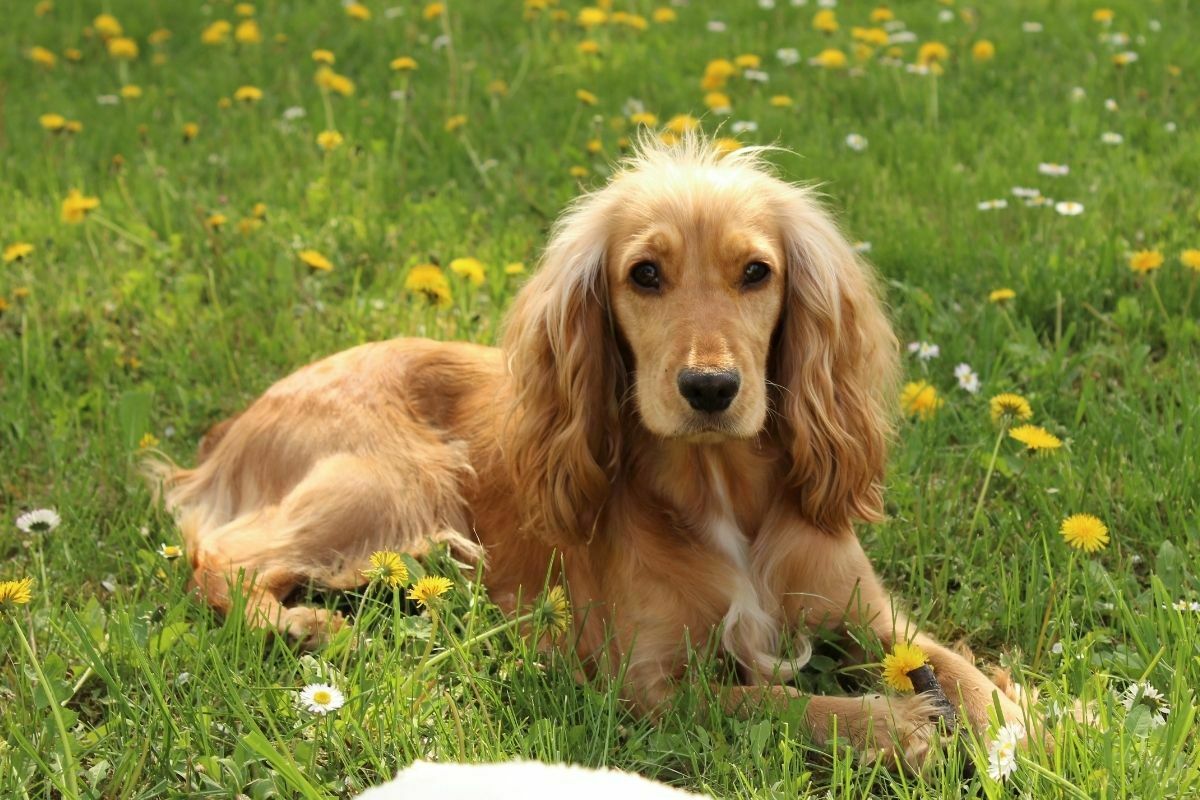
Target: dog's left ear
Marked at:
835, 360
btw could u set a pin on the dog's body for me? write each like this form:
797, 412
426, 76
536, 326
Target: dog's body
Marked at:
690, 407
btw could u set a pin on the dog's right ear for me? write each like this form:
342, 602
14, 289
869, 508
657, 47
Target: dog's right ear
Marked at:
563, 432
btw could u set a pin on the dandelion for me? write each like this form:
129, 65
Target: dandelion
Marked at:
554, 611
52, 122
983, 50
40, 520
248, 94
430, 281
830, 58
387, 567
588, 47
1001, 296
920, 399
1069, 208
586, 97
590, 17
1009, 407
429, 590
315, 260
361, 13
1124, 59
17, 251
1103, 15
825, 21
76, 206
748, 61
147, 441
1002, 751
43, 57
470, 268
331, 81
1084, 532
903, 659
967, 378
321, 698
1035, 437
16, 593
682, 123
932, 53
1190, 259
324, 57
170, 551
159, 36
329, 140
216, 221
663, 15
455, 122
403, 64
882, 14
644, 118
107, 26
190, 131
131, 91
718, 102
781, 101
1144, 261
123, 48
514, 268
247, 32
1143, 694
216, 32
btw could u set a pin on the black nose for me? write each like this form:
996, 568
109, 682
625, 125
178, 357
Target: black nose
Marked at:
708, 391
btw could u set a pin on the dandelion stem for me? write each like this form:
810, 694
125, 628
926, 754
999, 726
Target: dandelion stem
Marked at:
987, 479
71, 788
1158, 299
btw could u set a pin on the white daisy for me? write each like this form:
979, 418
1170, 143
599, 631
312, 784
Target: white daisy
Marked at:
1050, 168
1031, 27
756, 75
788, 56
893, 25
170, 551
108, 100
766, 5
1109, 137
1021, 191
991, 205
1127, 57
294, 112
1170, 127
1057, 648
862, 247
945, 15
1038, 200
1110, 105
743, 126
967, 378
1142, 693
827, 3
321, 698
40, 520
856, 142
1078, 93
716, 26
926, 351
1069, 208
902, 37
1002, 752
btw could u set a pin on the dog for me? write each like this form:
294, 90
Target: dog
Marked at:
690, 409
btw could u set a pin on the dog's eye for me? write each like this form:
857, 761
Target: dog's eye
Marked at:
645, 275
756, 272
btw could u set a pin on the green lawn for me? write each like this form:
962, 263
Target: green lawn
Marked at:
148, 321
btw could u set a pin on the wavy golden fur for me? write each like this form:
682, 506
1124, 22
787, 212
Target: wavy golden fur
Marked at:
690, 408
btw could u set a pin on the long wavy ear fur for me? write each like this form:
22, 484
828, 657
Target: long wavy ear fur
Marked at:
836, 361
563, 435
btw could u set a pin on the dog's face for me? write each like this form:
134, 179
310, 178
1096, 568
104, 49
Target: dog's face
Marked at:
696, 278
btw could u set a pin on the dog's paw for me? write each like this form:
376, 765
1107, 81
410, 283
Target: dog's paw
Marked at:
310, 627
903, 733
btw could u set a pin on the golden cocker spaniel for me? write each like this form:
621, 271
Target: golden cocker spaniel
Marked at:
690, 408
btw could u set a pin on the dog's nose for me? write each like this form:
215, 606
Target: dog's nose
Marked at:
708, 390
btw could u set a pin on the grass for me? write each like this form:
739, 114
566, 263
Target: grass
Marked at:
145, 319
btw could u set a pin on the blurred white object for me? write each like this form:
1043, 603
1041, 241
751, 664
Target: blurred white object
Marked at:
520, 780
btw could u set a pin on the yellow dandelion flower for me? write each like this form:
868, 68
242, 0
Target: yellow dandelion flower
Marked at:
76, 206
920, 399
781, 101
825, 21
455, 122
244, 9
594, 146
216, 32
329, 140
131, 91
43, 8
1190, 259
248, 94
429, 590
248, 225
403, 64
876, 37
514, 268
578, 171
387, 567
591, 16
586, 97
248, 32
433, 11
882, 14
1144, 261
717, 71
324, 57
1103, 15
259, 211
726, 145
903, 659
43, 57
429, 281
983, 50
329, 80
1035, 437
682, 123
17, 251
216, 221
224, 103
358, 11
662, 14
831, 58
498, 88
107, 26
16, 593
588, 47
554, 611
470, 268
315, 260
1010, 406
52, 122
123, 48
932, 53
159, 36
73, 126
190, 131
715, 100
1084, 532
147, 441
748, 61
644, 118
1001, 296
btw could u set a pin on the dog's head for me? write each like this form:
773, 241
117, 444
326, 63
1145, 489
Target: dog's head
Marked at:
721, 303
